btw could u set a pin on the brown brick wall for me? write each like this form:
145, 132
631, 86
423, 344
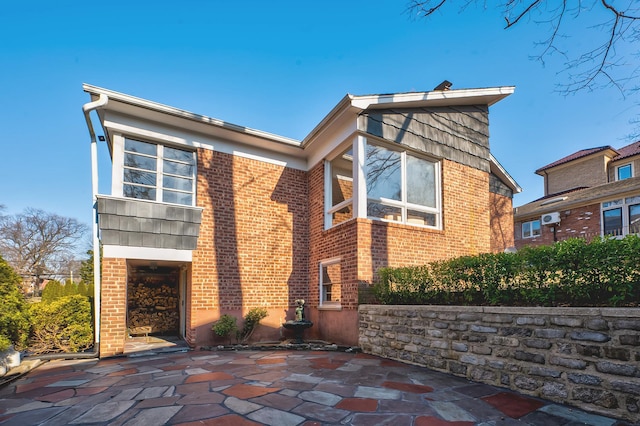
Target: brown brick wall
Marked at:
579, 222
113, 307
252, 249
501, 219
366, 245
586, 173
466, 224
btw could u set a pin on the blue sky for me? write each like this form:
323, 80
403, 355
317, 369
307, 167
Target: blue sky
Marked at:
274, 66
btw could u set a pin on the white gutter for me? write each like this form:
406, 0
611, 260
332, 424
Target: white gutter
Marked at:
86, 109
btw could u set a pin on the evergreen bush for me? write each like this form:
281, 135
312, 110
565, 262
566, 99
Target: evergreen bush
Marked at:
14, 314
63, 325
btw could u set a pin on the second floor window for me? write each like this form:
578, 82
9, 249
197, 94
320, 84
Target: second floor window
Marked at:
158, 173
624, 172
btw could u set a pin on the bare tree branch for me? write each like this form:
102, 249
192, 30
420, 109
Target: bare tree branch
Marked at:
37, 243
602, 65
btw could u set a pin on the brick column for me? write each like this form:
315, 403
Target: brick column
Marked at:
113, 307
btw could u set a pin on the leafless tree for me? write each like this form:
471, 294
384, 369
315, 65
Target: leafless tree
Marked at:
609, 55
38, 244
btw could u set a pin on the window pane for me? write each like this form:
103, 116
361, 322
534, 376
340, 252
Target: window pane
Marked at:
634, 219
172, 182
612, 221
383, 211
342, 177
535, 228
383, 173
140, 147
176, 197
178, 154
421, 182
531, 229
139, 192
624, 172
180, 169
421, 218
140, 162
137, 176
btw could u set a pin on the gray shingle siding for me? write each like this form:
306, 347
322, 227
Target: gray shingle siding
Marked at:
135, 223
459, 134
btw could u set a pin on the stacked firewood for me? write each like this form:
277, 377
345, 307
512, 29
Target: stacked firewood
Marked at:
152, 308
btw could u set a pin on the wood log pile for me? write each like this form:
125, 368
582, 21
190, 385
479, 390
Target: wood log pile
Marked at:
153, 308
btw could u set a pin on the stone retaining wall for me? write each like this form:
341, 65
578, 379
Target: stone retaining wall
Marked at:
585, 357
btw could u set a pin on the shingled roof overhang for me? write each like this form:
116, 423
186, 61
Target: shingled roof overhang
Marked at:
577, 198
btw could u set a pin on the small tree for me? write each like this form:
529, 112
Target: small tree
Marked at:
251, 322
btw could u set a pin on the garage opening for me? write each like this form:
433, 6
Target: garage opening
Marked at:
153, 300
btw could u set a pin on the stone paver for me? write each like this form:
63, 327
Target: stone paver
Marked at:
266, 387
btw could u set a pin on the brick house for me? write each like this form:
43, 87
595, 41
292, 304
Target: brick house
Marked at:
206, 217
593, 192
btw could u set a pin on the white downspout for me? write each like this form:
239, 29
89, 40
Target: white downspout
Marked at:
86, 109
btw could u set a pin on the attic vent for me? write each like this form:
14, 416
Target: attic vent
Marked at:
445, 85
553, 200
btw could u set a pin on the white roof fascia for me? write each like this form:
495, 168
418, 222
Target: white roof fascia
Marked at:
180, 113
486, 96
501, 172
356, 104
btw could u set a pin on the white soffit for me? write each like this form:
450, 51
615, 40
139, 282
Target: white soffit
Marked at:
154, 111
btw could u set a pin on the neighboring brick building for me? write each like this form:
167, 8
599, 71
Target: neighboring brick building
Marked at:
593, 192
206, 217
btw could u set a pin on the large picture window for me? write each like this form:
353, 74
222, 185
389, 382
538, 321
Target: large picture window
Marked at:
401, 187
158, 173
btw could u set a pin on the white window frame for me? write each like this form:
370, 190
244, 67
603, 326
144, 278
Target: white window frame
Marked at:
403, 204
531, 235
630, 165
324, 304
330, 209
118, 183
624, 204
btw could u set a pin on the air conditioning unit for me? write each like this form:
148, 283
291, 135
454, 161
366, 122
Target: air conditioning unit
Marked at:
550, 218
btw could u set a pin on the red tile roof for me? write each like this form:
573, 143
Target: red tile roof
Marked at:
624, 152
575, 156
628, 151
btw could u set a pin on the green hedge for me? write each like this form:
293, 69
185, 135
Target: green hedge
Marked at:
604, 272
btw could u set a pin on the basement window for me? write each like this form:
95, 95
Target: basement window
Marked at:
330, 283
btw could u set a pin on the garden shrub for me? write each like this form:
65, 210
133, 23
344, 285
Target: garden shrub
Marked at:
63, 325
14, 314
603, 272
225, 326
